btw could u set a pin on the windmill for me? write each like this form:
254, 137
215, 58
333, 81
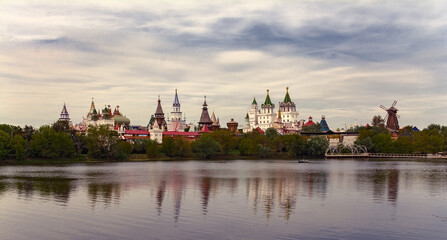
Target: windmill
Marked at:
392, 124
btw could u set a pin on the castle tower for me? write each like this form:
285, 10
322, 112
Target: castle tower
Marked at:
65, 116
205, 117
247, 127
92, 108
176, 123
288, 108
267, 114
156, 132
216, 124
253, 114
160, 116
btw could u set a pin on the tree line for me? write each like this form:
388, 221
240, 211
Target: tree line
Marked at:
59, 141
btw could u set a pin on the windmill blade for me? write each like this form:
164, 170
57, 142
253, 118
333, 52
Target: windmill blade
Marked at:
385, 119
384, 108
394, 103
398, 116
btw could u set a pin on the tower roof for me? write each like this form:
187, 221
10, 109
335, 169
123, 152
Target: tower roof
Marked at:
176, 101
159, 109
254, 101
287, 97
267, 99
205, 117
213, 118
246, 116
92, 107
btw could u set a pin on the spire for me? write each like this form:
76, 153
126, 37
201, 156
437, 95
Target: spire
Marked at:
205, 117
267, 99
204, 102
246, 116
64, 114
159, 109
159, 115
287, 97
213, 118
254, 101
176, 101
92, 107
279, 113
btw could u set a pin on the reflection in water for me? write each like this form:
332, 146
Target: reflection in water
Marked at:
270, 188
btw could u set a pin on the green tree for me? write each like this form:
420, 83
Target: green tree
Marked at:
152, 149
367, 142
5, 144
314, 128
429, 141
295, 144
19, 147
47, 143
248, 146
122, 150
378, 121
271, 133
383, 143
168, 147
61, 126
101, 141
226, 140
206, 146
404, 145
182, 147
28, 132
139, 146
316, 146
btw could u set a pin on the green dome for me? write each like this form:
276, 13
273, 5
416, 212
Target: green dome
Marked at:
120, 119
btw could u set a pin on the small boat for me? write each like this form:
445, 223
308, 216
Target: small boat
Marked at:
303, 161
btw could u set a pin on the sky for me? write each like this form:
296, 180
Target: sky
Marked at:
341, 59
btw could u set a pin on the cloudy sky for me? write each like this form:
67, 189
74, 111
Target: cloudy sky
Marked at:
341, 59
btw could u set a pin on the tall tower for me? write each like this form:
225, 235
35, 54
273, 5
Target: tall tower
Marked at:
64, 115
160, 116
289, 113
205, 117
176, 123
267, 114
92, 108
253, 114
176, 114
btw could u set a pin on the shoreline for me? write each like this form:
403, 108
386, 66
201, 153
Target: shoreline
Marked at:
144, 158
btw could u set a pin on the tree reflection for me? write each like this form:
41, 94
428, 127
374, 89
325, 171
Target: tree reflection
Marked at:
103, 192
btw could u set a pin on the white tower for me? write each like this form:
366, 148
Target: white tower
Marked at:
253, 114
176, 123
288, 110
267, 114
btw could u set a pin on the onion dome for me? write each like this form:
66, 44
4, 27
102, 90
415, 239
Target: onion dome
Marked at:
120, 119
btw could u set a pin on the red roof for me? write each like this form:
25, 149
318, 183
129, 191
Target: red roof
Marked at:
137, 132
205, 129
174, 133
309, 123
260, 130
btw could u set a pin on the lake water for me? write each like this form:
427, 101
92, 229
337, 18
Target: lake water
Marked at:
265, 199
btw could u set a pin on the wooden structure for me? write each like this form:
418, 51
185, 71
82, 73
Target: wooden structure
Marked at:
392, 124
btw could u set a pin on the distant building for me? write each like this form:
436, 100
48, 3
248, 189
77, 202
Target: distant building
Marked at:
232, 125
159, 117
205, 116
323, 125
267, 114
177, 122
65, 116
114, 120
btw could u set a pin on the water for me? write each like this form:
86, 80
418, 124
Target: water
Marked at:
333, 199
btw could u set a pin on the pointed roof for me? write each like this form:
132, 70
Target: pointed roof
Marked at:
246, 116
64, 110
205, 129
287, 97
92, 107
267, 99
213, 118
205, 117
323, 124
176, 101
156, 126
159, 110
254, 101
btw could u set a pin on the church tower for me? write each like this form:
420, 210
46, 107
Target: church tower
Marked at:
205, 117
160, 116
176, 123
253, 114
267, 114
289, 113
64, 115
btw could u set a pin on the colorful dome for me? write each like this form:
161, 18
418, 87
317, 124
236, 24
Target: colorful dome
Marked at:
120, 119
